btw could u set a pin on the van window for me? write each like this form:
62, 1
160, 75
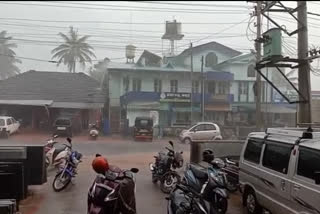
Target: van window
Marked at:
9, 122
308, 163
253, 151
277, 156
2, 122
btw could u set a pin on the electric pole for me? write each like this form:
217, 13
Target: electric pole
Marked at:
258, 77
191, 78
202, 91
304, 110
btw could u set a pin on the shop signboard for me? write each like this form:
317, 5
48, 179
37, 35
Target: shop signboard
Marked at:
175, 97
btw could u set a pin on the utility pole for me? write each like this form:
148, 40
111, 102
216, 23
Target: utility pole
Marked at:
304, 111
258, 77
202, 90
191, 78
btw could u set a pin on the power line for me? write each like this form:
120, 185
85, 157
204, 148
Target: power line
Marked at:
109, 22
93, 28
130, 10
185, 4
52, 61
138, 7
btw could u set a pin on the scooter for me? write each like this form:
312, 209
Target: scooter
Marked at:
93, 131
113, 192
55, 156
210, 182
184, 200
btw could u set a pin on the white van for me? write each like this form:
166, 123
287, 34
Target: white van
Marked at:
280, 171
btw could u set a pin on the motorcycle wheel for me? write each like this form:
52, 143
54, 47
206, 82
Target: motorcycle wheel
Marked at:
64, 180
169, 181
154, 179
222, 205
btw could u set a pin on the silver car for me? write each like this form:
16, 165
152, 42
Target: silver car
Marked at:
202, 131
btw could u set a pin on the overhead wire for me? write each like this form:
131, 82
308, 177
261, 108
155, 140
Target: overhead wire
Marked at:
128, 10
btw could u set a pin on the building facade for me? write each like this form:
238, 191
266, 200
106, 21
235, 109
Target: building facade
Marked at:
169, 90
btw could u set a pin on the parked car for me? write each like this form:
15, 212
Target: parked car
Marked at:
62, 127
9, 124
202, 131
280, 171
143, 128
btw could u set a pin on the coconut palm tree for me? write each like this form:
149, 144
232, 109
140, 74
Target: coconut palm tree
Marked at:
74, 49
8, 61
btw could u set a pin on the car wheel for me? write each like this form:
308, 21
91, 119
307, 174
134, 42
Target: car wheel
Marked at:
187, 140
251, 202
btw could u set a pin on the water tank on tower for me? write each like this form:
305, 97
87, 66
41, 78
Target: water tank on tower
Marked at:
130, 53
173, 33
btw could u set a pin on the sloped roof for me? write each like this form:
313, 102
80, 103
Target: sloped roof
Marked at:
150, 58
54, 86
239, 58
213, 46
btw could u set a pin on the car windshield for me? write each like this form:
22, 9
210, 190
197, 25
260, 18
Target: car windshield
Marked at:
63, 122
143, 72
2, 122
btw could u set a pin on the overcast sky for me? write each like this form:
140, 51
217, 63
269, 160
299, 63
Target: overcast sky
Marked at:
113, 25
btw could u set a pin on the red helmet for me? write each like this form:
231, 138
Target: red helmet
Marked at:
100, 164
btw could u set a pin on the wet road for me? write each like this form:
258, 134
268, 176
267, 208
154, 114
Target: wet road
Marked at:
125, 154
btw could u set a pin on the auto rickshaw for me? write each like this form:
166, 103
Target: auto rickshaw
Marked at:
143, 128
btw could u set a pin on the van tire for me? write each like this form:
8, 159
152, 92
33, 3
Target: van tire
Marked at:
251, 202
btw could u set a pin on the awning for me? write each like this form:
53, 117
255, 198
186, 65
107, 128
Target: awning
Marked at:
77, 105
27, 102
218, 107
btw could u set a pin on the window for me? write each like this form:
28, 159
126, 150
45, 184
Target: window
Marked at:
195, 86
308, 162
253, 151
223, 88
13, 120
2, 122
126, 82
136, 84
251, 72
182, 117
174, 86
277, 156
243, 88
210, 127
212, 87
211, 59
157, 85
201, 127
9, 122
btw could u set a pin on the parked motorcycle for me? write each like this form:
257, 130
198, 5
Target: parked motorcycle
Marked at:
164, 166
53, 154
67, 171
210, 182
113, 193
93, 131
231, 170
184, 200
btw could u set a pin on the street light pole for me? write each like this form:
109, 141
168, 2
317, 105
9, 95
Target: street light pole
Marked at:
202, 90
191, 78
304, 111
258, 77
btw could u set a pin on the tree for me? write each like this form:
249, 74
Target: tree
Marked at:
97, 71
8, 61
74, 49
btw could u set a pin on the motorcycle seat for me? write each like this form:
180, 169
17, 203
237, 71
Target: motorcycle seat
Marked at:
57, 151
198, 173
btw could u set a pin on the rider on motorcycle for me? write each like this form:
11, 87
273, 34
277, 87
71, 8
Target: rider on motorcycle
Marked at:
113, 190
